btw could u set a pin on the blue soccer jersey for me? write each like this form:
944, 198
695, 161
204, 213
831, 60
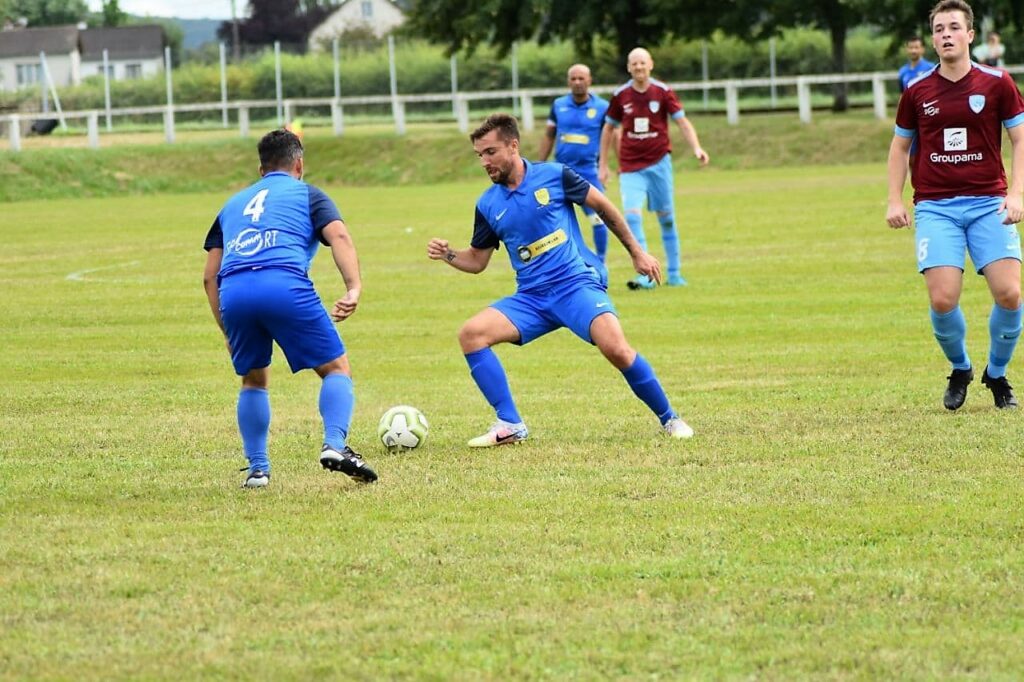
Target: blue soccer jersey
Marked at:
275, 223
908, 73
578, 131
536, 222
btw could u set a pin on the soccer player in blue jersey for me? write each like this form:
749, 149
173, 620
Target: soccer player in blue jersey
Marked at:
530, 209
259, 251
916, 64
576, 121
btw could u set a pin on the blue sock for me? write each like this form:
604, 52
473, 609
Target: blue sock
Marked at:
1004, 330
601, 240
336, 402
636, 226
670, 238
490, 378
951, 333
640, 377
253, 424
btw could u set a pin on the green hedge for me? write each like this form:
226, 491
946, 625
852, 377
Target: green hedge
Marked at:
424, 68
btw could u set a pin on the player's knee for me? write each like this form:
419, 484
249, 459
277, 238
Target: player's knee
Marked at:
472, 337
634, 212
619, 353
1008, 297
943, 301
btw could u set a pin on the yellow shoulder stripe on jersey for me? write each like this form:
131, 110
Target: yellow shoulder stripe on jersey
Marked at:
575, 138
542, 245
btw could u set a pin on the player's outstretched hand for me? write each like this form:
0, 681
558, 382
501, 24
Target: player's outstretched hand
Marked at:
345, 306
437, 249
1014, 208
897, 216
702, 156
646, 264
602, 175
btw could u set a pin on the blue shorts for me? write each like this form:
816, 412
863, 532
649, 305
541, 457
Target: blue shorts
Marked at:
590, 175
266, 305
652, 185
574, 305
946, 227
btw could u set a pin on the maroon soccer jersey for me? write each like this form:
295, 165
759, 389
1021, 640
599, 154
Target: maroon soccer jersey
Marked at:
959, 132
644, 117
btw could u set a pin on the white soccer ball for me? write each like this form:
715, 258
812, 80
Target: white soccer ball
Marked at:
402, 428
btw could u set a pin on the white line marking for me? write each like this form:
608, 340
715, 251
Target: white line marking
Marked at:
80, 275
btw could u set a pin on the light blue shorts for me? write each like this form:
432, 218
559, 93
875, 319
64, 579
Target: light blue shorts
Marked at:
945, 228
266, 305
573, 304
652, 185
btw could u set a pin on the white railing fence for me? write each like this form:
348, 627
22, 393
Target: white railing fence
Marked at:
522, 99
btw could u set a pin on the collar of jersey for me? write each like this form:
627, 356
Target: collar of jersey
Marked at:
276, 173
590, 98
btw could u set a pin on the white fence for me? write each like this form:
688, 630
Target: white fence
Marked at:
523, 98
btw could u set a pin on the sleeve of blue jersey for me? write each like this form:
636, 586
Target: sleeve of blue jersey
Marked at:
905, 132
483, 236
679, 114
575, 187
322, 211
215, 237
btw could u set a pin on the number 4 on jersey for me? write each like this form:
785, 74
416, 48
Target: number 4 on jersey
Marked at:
255, 206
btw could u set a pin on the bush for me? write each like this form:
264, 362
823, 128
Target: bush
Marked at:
423, 68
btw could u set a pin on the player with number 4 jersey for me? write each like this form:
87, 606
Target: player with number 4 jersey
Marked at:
957, 113
259, 251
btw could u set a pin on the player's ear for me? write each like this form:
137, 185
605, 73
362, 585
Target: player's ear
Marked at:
261, 170
299, 167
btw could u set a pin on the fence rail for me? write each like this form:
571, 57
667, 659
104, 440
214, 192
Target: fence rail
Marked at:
524, 98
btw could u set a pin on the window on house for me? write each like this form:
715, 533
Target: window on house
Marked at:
133, 71
367, 9
110, 70
29, 74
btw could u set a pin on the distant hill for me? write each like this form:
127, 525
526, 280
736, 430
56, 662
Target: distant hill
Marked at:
198, 31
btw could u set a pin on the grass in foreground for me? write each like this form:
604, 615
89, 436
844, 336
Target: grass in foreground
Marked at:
829, 519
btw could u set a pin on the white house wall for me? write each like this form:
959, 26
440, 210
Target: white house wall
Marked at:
386, 17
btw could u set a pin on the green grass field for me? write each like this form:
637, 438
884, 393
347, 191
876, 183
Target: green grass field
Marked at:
829, 519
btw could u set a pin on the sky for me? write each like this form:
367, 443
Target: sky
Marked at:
182, 9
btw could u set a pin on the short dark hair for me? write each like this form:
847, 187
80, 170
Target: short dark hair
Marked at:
913, 39
506, 125
279, 149
953, 6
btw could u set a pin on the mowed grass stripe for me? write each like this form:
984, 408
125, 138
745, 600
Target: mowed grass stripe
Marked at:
830, 519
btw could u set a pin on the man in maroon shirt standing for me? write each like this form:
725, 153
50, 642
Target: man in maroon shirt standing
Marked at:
643, 107
957, 113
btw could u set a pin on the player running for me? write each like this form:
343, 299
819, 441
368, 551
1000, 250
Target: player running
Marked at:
960, 194
643, 107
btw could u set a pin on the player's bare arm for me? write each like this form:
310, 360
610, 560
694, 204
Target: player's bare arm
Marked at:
213, 259
607, 135
690, 135
899, 156
643, 262
344, 252
471, 260
1014, 202
547, 143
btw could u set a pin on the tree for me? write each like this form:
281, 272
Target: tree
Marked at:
627, 23
113, 15
46, 12
287, 21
